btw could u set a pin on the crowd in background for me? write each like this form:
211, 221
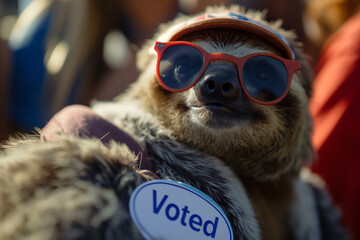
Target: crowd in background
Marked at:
59, 52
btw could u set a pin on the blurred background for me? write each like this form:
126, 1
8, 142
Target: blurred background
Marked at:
55, 53
60, 52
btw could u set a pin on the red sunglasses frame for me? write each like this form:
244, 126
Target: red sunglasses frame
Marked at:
291, 67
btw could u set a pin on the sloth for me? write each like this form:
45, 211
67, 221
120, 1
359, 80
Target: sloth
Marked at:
221, 105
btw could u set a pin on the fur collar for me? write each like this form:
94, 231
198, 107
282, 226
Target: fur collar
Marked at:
175, 161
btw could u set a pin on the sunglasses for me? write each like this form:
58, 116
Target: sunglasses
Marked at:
265, 78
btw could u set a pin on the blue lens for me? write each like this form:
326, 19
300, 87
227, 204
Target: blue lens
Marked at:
180, 66
265, 78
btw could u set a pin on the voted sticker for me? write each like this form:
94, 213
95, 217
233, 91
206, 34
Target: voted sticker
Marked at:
164, 209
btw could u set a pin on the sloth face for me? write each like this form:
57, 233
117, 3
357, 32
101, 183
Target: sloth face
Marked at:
217, 117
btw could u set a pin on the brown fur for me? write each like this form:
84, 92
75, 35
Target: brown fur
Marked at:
271, 201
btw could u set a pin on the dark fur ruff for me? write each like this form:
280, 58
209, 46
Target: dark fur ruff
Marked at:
79, 189
76, 188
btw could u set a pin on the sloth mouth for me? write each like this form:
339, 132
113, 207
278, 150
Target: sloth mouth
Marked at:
215, 107
218, 115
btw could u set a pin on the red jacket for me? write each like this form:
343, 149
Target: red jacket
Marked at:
336, 110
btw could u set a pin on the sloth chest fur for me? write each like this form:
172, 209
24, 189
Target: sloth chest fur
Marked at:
272, 205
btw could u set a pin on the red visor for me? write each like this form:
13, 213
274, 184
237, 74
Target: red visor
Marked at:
228, 20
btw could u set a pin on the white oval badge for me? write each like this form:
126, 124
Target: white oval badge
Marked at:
164, 209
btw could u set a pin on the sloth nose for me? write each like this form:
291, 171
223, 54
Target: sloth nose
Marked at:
219, 84
214, 85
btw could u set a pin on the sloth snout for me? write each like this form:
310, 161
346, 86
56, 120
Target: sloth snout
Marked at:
218, 84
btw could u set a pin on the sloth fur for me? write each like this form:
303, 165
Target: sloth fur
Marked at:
79, 188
